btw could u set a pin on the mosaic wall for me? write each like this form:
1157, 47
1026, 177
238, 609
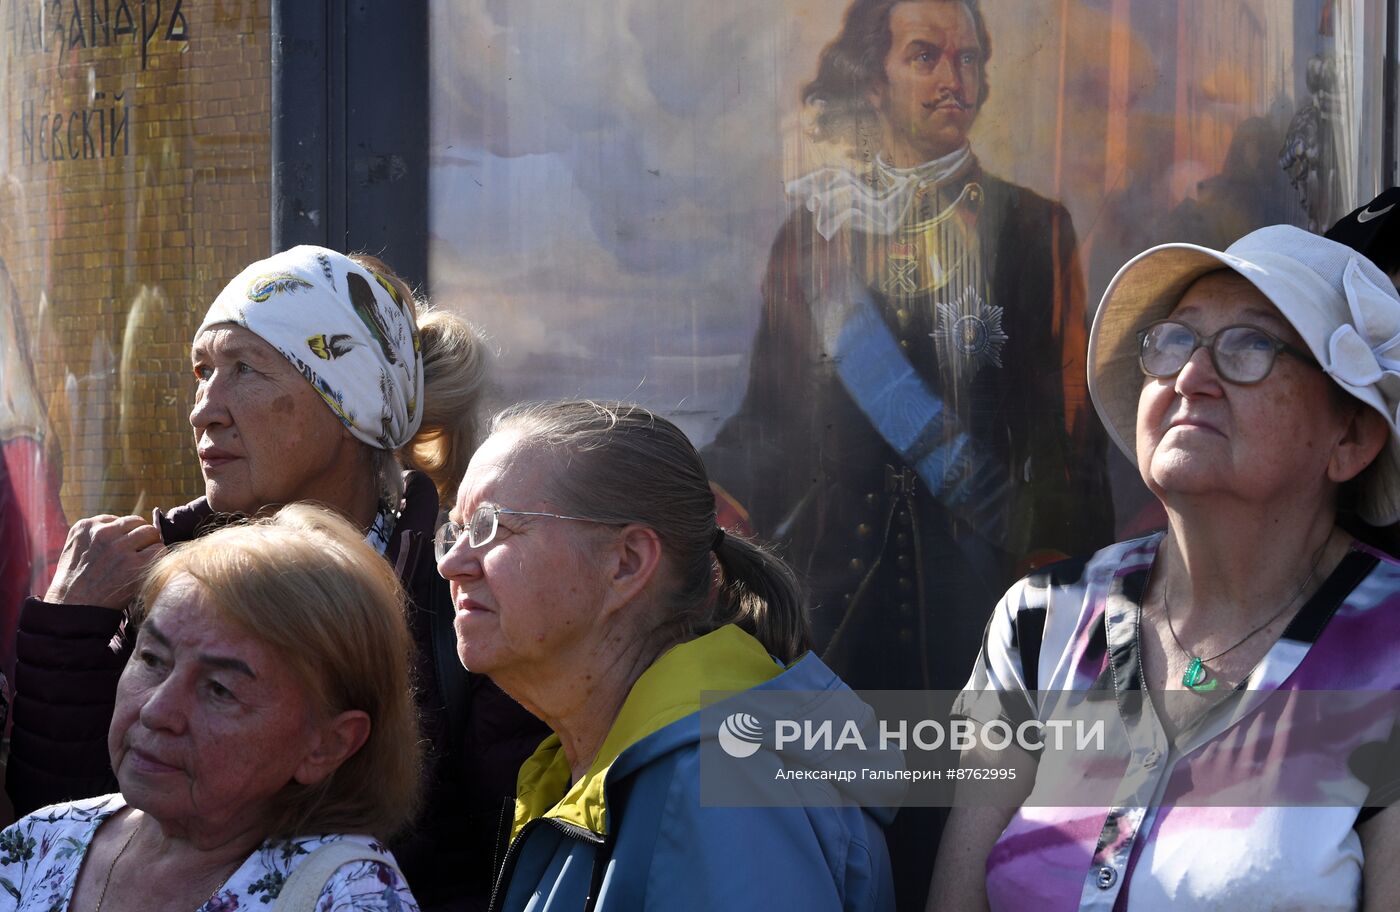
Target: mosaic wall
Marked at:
134, 169
134, 180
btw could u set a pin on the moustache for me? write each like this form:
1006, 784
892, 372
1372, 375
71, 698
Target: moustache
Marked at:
947, 100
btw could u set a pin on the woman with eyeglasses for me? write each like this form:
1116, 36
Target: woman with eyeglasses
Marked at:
592, 584
1257, 390
315, 378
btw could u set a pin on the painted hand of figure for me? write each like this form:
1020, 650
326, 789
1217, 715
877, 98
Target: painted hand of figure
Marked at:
102, 561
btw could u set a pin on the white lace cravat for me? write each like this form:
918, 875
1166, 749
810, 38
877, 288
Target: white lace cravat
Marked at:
839, 196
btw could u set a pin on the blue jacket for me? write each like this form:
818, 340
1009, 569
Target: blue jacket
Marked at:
631, 834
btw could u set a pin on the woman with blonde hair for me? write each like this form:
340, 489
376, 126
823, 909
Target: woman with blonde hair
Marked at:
316, 379
264, 737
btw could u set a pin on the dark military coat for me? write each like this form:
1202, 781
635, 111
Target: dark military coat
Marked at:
981, 287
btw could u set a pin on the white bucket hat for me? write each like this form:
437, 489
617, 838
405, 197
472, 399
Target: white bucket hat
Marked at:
1344, 307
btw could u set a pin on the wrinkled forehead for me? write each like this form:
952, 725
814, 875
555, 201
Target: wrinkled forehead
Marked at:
181, 590
186, 609
509, 469
1223, 298
230, 339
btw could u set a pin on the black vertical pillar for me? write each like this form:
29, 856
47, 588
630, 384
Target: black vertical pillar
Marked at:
1391, 96
350, 128
301, 182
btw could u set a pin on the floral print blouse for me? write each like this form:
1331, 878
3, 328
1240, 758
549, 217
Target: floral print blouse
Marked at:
41, 854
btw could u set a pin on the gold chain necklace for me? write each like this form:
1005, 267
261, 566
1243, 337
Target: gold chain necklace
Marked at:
1197, 677
107, 881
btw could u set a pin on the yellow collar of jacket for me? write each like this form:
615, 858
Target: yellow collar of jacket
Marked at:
727, 659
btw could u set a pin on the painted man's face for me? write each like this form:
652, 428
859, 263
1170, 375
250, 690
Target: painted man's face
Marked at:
933, 81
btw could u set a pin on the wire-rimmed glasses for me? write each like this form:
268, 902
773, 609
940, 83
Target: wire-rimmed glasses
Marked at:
480, 528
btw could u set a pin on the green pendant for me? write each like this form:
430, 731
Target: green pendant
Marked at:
1195, 677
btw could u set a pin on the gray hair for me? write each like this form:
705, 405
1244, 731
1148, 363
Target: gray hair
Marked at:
625, 464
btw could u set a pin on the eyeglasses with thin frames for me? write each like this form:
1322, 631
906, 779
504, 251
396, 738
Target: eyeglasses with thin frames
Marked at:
481, 527
1242, 354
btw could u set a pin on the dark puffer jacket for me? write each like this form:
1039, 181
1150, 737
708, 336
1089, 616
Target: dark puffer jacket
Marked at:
70, 656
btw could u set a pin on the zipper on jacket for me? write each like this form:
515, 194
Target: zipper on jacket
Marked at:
571, 830
502, 841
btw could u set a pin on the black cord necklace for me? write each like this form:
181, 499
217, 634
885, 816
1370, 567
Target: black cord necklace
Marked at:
1197, 676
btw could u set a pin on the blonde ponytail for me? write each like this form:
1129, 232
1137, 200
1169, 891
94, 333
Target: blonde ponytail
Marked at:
454, 375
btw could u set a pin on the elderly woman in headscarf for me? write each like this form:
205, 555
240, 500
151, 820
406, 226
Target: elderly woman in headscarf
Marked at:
315, 380
1257, 390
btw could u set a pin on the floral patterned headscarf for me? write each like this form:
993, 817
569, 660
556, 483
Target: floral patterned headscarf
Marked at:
344, 328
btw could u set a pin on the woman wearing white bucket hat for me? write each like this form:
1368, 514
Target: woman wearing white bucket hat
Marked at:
1257, 391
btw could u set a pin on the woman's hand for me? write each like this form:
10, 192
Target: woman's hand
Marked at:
102, 561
